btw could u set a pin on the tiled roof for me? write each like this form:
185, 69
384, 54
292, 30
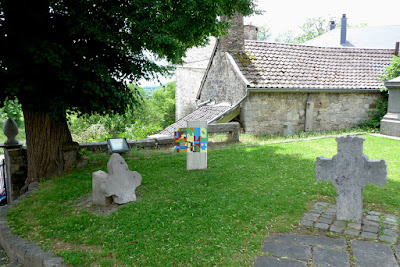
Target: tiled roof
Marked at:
384, 36
291, 66
204, 113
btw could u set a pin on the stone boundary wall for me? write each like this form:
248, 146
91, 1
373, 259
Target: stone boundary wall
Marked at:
161, 141
267, 113
20, 251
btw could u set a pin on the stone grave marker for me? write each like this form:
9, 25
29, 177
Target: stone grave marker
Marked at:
118, 185
350, 171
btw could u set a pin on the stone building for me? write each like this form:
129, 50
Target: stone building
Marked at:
277, 88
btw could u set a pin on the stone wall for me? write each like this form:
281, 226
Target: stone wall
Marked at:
189, 77
250, 32
188, 82
223, 84
266, 113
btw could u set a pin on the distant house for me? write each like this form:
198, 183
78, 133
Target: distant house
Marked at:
276, 88
361, 37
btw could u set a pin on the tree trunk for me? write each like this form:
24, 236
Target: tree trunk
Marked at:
50, 149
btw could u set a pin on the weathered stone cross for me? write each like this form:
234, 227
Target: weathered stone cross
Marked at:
350, 171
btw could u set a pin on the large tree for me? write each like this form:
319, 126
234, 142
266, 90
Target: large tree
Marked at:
59, 55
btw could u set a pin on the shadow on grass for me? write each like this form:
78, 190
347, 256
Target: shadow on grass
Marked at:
218, 216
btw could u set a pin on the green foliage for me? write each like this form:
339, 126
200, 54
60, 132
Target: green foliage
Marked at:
150, 116
224, 216
393, 70
377, 113
11, 109
313, 27
163, 101
264, 33
78, 55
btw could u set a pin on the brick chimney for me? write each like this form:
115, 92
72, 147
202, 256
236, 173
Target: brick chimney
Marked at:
233, 42
332, 26
250, 32
343, 30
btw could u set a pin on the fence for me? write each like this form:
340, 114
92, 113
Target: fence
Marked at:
3, 173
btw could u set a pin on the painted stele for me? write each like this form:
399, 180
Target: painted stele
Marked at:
350, 171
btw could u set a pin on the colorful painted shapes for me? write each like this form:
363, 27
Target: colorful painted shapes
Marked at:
190, 139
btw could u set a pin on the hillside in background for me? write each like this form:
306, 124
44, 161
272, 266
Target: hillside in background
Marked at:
149, 89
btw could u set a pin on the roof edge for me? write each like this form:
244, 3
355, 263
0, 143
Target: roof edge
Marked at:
311, 90
236, 69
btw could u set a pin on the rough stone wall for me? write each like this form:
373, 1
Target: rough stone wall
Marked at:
188, 82
233, 42
17, 170
266, 113
222, 84
189, 77
250, 32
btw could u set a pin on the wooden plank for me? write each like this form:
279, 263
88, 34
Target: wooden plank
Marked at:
230, 116
223, 127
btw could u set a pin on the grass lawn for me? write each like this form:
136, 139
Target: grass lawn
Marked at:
219, 216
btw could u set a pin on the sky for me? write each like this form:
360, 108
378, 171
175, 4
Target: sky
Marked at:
284, 15
281, 16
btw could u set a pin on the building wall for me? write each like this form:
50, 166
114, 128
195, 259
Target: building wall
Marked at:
222, 84
188, 82
189, 77
266, 113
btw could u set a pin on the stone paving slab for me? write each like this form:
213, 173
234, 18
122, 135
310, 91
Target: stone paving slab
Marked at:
330, 257
372, 254
378, 231
375, 225
309, 240
277, 262
298, 250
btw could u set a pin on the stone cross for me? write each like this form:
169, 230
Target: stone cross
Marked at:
350, 171
118, 185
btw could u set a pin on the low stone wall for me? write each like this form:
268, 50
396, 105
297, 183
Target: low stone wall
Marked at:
155, 142
267, 113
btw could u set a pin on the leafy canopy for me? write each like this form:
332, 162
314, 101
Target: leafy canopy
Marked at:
79, 54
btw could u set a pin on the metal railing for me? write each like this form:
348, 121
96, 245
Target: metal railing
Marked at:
3, 179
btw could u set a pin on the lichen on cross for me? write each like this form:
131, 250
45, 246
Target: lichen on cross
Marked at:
350, 171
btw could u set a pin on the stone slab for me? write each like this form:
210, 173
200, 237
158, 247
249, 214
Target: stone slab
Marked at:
309, 240
300, 252
351, 232
322, 226
370, 228
306, 223
372, 254
389, 239
369, 235
325, 220
336, 229
330, 257
277, 262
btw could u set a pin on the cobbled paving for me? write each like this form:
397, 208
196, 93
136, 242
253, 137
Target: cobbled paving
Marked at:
370, 243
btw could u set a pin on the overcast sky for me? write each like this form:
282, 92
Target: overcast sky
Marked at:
283, 15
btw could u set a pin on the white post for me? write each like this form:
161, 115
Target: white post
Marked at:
196, 161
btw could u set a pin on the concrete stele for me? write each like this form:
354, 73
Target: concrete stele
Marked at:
350, 171
196, 161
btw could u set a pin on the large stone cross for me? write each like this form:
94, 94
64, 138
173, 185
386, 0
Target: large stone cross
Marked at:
350, 171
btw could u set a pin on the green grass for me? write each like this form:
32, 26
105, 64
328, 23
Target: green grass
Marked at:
219, 216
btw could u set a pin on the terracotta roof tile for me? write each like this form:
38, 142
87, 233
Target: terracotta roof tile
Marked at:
278, 65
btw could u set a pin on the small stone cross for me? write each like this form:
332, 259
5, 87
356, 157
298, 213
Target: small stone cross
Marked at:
350, 171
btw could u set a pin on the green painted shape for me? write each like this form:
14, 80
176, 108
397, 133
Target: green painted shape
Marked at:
230, 116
